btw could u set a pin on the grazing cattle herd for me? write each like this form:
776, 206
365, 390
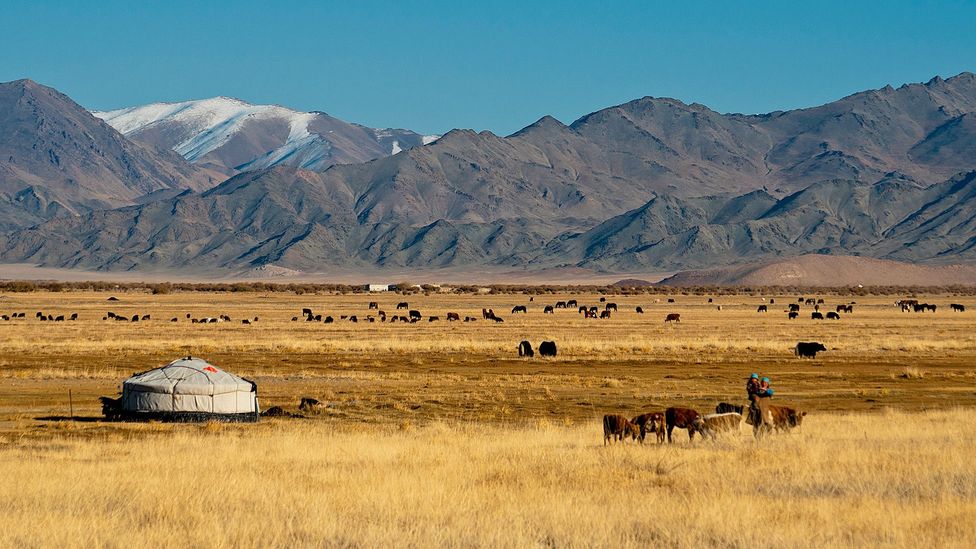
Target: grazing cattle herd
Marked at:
763, 416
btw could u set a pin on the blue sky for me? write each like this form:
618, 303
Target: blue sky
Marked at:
432, 66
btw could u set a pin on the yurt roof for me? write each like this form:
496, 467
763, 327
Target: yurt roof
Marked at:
189, 376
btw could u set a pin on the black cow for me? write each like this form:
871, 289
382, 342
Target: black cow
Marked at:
792, 314
833, 316
605, 314
306, 311
762, 309
403, 305
794, 308
548, 310
808, 349
640, 310
725, 407
571, 304
560, 304
328, 320
958, 308
245, 321
816, 316
374, 305
519, 309
547, 348
611, 307
414, 313
525, 349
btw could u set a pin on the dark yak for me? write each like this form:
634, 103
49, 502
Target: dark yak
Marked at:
547, 348
525, 349
808, 349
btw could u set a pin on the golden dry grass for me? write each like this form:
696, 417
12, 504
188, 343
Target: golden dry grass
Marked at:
438, 434
894, 479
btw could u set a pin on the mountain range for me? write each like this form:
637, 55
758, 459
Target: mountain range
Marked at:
651, 185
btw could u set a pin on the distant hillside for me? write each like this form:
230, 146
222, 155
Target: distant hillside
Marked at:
827, 270
56, 159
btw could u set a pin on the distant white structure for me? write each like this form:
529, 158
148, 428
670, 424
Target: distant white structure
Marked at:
378, 287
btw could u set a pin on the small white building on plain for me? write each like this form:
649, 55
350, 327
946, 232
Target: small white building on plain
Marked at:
378, 287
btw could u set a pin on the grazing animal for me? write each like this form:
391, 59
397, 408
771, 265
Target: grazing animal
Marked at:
403, 305
374, 305
111, 407
4, 317
498, 319
725, 407
611, 307
560, 304
589, 314
651, 422
785, 418
547, 348
792, 314
113, 298
174, 319
571, 304
135, 318
245, 321
670, 300
306, 311
146, 317
519, 309
673, 317
682, 418
309, 405
762, 309
74, 316
453, 316
525, 349
605, 314
59, 318
833, 316
718, 307
328, 320
414, 313
594, 309
618, 427
602, 299
808, 349
958, 308
294, 319
816, 315
548, 310
429, 319
794, 308
721, 423
640, 310
820, 301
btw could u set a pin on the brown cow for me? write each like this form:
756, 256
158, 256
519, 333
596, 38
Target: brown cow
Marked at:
682, 418
650, 422
673, 317
618, 427
720, 423
785, 418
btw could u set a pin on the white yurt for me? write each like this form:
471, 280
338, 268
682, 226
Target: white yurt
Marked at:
189, 389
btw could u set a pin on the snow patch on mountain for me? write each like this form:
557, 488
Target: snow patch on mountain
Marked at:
209, 123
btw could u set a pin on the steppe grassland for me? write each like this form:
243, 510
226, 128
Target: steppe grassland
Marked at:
437, 434
879, 357
894, 479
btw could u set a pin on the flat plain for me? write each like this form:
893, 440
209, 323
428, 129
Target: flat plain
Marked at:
438, 433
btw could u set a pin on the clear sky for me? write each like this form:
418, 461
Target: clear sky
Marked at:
431, 66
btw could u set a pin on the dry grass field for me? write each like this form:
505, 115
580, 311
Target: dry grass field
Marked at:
436, 433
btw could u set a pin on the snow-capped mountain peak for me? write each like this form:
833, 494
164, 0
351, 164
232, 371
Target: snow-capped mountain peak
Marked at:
241, 136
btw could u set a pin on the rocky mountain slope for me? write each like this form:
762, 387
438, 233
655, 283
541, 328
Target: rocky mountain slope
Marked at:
58, 159
233, 136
